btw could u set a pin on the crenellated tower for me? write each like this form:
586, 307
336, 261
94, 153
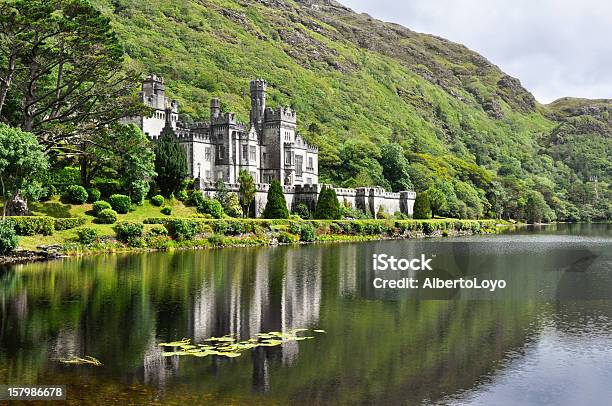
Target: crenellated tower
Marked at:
258, 102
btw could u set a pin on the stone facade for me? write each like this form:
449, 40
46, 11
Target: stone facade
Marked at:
268, 148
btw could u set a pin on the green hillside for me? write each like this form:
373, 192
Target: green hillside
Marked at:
467, 128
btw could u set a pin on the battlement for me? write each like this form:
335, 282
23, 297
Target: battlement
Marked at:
281, 114
226, 118
258, 84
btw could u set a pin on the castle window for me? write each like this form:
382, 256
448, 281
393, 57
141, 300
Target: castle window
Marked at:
221, 152
245, 153
288, 156
298, 165
253, 154
309, 181
207, 153
310, 163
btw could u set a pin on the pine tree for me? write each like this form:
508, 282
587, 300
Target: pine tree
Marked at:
422, 207
276, 207
170, 164
328, 206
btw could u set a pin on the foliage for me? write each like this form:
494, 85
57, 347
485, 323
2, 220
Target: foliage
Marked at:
395, 167
76, 194
182, 195
157, 200
222, 192
93, 194
9, 241
422, 206
129, 232
276, 206
170, 164
107, 216
68, 223
302, 211
101, 205
122, 204
182, 229
166, 210
537, 210
210, 206
32, 225
247, 191
232, 206
307, 233
328, 206
87, 235
21, 161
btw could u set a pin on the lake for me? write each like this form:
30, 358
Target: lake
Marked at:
546, 338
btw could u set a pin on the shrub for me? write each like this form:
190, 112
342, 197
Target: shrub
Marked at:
107, 187
107, 216
32, 225
120, 203
8, 238
276, 206
129, 232
158, 230
94, 194
182, 229
76, 194
232, 206
47, 193
381, 214
100, 205
328, 206
157, 200
159, 242
286, 238
422, 207
182, 195
355, 214
195, 198
307, 232
216, 240
210, 206
68, 223
87, 235
302, 210
166, 210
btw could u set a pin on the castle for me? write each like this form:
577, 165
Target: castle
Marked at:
269, 148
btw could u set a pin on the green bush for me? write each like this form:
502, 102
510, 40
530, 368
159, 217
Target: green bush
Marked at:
422, 207
232, 206
182, 229
100, 205
48, 192
94, 194
129, 232
32, 225
216, 240
158, 230
182, 195
157, 200
8, 238
107, 187
328, 206
107, 216
76, 194
307, 232
301, 210
286, 238
166, 210
87, 236
68, 223
276, 206
210, 206
120, 203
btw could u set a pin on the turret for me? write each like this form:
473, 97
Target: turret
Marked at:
215, 108
153, 85
258, 101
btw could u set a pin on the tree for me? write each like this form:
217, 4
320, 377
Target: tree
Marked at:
247, 191
328, 206
536, 209
437, 200
276, 206
395, 167
222, 192
21, 161
63, 61
137, 161
232, 206
170, 164
422, 207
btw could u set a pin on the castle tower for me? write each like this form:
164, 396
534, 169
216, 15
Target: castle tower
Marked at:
215, 108
258, 102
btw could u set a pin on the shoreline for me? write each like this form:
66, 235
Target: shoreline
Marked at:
280, 233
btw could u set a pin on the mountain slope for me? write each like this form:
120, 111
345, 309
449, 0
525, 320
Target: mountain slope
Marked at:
357, 83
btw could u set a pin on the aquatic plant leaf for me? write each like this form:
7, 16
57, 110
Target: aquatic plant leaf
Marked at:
76, 360
184, 341
320, 331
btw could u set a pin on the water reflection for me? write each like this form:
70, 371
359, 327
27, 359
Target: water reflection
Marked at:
380, 346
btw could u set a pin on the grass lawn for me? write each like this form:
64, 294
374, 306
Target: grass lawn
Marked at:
55, 208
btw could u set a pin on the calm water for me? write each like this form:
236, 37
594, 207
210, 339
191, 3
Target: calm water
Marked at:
545, 339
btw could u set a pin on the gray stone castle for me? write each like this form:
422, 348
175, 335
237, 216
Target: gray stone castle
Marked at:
268, 147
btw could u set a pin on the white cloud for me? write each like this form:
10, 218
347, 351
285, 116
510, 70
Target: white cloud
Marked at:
556, 48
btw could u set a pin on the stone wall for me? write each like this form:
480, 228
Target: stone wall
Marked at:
366, 199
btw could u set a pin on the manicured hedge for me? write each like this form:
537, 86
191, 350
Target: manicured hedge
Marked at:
33, 225
107, 216
69, 223
100, 205
120, 203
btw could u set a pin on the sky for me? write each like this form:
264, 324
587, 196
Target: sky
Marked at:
556, 48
